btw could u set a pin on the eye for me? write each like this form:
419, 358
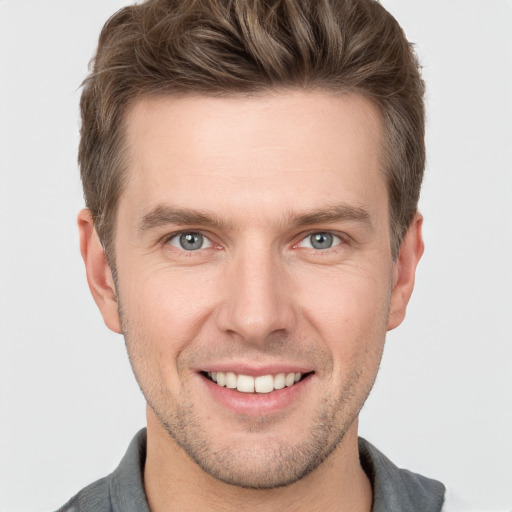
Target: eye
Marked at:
190, 241
320, 241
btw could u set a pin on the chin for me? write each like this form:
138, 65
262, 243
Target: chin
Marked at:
255, 460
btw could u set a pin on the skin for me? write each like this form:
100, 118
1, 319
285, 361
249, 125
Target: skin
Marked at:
271, 170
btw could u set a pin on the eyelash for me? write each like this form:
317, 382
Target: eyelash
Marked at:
168, 239
341, 240
335, 236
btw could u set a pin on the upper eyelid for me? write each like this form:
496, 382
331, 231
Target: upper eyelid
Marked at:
179, 232
302, 236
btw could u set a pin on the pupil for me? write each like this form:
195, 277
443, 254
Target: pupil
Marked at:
321, 240
191, 241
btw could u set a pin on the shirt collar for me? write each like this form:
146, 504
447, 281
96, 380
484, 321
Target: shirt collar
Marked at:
395, 489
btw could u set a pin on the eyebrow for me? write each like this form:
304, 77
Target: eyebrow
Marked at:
337, 213
163, 215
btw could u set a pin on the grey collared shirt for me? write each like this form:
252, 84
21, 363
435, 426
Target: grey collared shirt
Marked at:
394, 489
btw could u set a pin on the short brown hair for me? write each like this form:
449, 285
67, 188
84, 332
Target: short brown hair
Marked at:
226, 47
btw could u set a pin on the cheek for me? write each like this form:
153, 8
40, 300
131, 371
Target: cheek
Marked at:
163, 312
167, 300
349, 312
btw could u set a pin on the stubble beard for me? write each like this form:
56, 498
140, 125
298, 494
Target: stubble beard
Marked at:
274, 465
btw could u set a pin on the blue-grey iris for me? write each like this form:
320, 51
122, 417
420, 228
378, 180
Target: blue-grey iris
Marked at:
191, 241
321, 240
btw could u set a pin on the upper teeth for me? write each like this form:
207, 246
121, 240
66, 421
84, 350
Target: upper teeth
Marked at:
261, 384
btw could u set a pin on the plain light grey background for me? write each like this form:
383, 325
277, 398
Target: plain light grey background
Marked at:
442, 404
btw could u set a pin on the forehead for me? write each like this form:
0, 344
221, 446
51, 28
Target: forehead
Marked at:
277, 151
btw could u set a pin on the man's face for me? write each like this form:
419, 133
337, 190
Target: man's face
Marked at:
253, 243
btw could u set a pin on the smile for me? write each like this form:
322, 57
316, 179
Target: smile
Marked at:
260, 384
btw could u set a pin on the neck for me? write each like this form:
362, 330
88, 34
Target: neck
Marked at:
173, 481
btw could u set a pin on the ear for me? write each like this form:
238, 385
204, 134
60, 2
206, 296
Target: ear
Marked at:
410, 253
99, 275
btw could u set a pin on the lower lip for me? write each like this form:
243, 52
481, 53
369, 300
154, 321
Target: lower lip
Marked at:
256, 404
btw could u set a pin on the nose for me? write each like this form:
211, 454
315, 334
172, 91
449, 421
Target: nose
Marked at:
257, 298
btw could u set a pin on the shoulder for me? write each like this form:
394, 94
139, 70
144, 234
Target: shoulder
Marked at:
396, 489
122, 490
93, 498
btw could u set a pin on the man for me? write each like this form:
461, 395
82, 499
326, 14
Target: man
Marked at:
252, 171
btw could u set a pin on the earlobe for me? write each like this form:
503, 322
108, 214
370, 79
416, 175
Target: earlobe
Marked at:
99, 275
409, 256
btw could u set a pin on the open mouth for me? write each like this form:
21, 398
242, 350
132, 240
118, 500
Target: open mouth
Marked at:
260, 384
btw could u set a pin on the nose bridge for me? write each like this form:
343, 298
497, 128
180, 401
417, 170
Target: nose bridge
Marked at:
257, 299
